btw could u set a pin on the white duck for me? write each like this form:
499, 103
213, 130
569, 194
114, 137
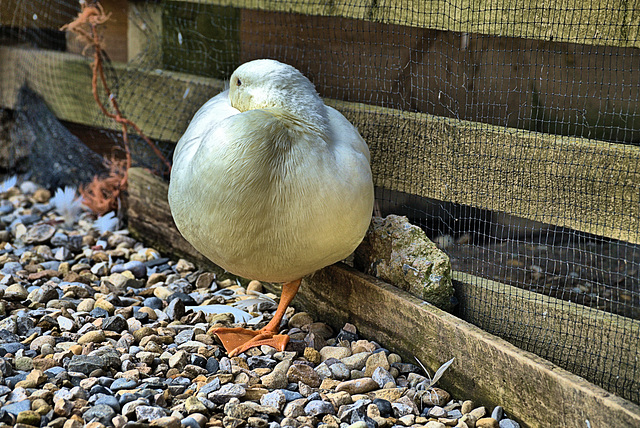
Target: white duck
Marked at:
271, 184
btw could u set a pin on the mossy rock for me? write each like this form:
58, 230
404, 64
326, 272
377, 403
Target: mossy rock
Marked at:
400, 253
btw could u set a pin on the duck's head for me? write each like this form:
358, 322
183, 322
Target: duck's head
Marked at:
270, 84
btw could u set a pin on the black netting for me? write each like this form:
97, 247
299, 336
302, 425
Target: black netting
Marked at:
508, 131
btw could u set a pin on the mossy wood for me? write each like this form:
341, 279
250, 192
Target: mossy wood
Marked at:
583, 338
587, 185
569, 21
488, 369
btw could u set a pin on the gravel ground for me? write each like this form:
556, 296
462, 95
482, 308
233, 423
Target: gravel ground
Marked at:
98, 330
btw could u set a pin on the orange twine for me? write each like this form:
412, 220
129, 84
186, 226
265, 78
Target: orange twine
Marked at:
102, 194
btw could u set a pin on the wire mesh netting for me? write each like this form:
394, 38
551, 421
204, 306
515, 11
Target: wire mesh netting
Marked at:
509, 131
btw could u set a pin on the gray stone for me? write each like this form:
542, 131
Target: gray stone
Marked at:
88, 363
109, 400
101, 413
115, 323
509, 423
149, 413
382, 377
226, 392
214, 385
183, 337
400, 410
153, 303
15, 408
123, 383
137, 268
12, 348
10, 268
44, 293
276, 399
190, 422
339, 371
356, 361
65, 324
323, 371
497, 413
319, 407
454, 414
175, 310
437, 412
129, 408
354, 412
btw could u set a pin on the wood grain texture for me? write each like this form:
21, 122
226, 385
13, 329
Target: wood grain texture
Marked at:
568, 21
487, 368
597, 345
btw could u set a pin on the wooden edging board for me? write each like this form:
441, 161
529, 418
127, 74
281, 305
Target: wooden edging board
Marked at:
576, 337
564, 181
488, 369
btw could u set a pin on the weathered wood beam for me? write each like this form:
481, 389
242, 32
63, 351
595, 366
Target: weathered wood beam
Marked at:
574, 336
37, 15
556, 20
162, 107
487, 368
587, 185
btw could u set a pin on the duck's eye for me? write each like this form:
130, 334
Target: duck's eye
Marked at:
238, 82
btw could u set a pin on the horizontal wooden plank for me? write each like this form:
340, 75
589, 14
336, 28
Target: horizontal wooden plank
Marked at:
587, 185
555, 20
551, 87
578, 338
488, 369
162, 107
114, 32
590, 186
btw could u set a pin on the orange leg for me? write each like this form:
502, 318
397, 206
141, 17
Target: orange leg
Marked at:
238, 340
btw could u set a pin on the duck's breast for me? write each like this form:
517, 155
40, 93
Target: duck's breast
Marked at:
271, 204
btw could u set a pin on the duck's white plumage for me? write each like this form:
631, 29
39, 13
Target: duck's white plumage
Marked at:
267, 181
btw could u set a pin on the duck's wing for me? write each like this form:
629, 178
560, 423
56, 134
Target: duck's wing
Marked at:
207, 118
346, 135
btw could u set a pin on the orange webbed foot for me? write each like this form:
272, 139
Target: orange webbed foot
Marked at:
237, 340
